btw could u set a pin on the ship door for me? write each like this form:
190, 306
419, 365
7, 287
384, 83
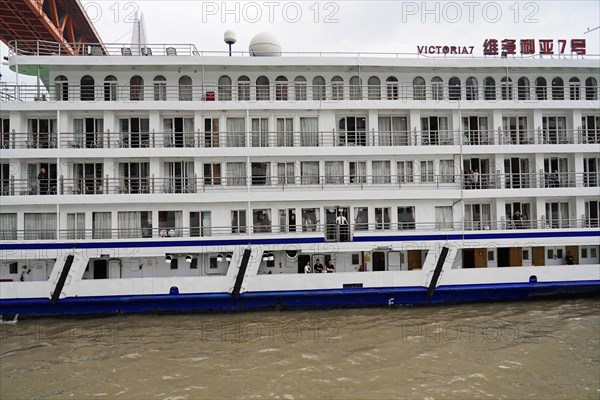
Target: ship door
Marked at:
114, 269
302, 260
414, 259
100, 269
378, 261
394, 261
480, 258
574, 250
539, 258
468, 258
38, 271
516, 256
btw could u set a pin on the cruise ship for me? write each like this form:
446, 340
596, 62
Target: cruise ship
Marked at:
160, 178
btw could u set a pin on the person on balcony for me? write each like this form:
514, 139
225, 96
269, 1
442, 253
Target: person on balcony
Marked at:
43, 180
518, 219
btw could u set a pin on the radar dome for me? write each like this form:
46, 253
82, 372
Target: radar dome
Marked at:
264, 45
230, 37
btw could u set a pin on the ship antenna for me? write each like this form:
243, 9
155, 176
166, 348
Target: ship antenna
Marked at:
230, 38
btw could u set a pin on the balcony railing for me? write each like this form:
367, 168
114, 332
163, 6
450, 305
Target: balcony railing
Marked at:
260, 183
290, 92
141, 140
331, 232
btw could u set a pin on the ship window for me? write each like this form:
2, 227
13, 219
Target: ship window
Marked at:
259, 133
593, 253
236, 173
550, 254
243, 88
592, 214
224, 89
41, 133
591, 128
525, 254
352, 131
358, 171
419, 89
454, 89
170, 223
559, 253
309, 171
174, 262
4, 133
134, 177
334, 172
406, 217
540, 88
310, 219
381, 172
591, 89
309, 131
437, 88
286, 173
87, 178
443, 217
584, 252
200, 223
523, 88
212, 174
405, 171
61, 88
135, 132
185, 88
136, 88
110, 88
134, 224
434, 131
75, 225
40, 226
490, 255
489, 88
361, 218
262, 88
374, 88
355, 259
355, 88
238, 221
392, 88
318, 88
554, 130
382, 218
300, 88
281, 88
472, 89
8, 226
477, 216
13, 268
285, 132
236, 132
337, 88
506, 88
87, 88
101, 225
261, 220
557, 215
160, 88
261, 173
574, 89
475, 130
558, 90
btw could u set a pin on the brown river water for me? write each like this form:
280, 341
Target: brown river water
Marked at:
526, 350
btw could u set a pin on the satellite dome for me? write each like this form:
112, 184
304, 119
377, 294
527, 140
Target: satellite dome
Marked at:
264, 45
230, 37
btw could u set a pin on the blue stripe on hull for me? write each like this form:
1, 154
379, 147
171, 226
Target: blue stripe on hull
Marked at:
308, 299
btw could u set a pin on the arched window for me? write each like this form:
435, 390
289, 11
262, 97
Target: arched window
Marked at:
300, 88
224, 88
523, 88
506, 88
591, 89
374, 88
110, 88
337, 88
540, 88
472, 89
262, 88
355, 88
185, 88
160, 88
489, 88
419, 90
574, 89
87, 88
437, 88
61, 88
136, 88
281, 88
454, 88
243, 84
391, 85
558, 90
318, 88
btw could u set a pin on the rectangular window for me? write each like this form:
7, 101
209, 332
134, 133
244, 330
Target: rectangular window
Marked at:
406, 218
358, 172
88, 133
238, 221
592, 214
212, 174
87, 178
134, 177
101, 225
134, 224
309, 172
309, 131
200, 223
41, 133
352, 131
514, 131
310, 219
477, 216
285, 132
434, 131
135, 132
170, 223
75, 225
555, 130
591, 172
405, 171
174, 263
236, 174
361, 218
8, 226
261, 220
286, 173
590, 129
393, 131
211, 132
584, 252
178, 132
557, 215
236, 132
427, 172
475, 131
443, 217
40, 226
259, 133
447, 172
381, 172
261, 173
334, 172
13, 268
525, 254
382, 218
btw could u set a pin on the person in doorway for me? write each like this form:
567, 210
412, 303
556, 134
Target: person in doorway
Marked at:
318, 268
518, 219
330, 267
553, 179
307, 269
43, 181
570, 259
292, 222
342, 225
476, 178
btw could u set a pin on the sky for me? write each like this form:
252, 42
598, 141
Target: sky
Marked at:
350, 26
